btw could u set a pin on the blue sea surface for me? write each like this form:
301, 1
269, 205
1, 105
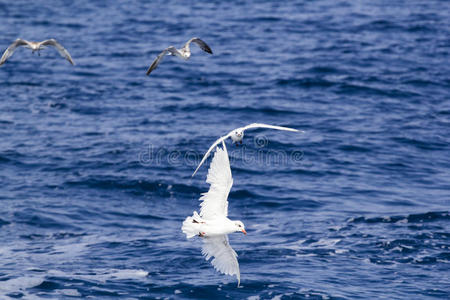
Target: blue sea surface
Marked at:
96, 159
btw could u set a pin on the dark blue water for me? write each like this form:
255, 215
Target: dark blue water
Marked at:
96, 159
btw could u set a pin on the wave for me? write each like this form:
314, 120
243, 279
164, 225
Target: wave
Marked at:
352, 89
421, 144
39, 220
4, 222
379, 25
225, 109
53, 236
412, 218
314, 82
124, 184
20, 284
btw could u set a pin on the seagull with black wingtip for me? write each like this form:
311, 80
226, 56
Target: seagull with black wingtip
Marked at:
183, 53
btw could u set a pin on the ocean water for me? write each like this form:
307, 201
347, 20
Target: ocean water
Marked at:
96, 159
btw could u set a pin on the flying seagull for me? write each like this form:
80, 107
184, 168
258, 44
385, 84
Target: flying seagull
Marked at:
183, 53
35, 46
212, 224
237, 135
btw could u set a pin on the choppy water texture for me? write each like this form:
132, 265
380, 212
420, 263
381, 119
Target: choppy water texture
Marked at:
96, 159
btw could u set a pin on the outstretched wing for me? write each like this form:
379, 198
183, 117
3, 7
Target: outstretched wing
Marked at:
200, 43
224, 257
221, 139
172, 50
10, 50
62, 51
261, 125
253, 125
215, 201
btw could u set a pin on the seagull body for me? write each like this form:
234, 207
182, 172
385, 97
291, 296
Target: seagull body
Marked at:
183, 53
212, 224
210, 228
237, 135
35, 46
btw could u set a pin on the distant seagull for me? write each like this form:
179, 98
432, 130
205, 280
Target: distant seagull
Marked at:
237, 135
35, 46
183, 53
213, 224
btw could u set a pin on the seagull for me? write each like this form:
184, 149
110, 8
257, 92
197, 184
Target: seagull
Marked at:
212, 224
183, 53
237, 135
35, 46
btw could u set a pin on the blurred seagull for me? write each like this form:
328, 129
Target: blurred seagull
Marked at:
183, 53
35, 46
213, 224
237, 135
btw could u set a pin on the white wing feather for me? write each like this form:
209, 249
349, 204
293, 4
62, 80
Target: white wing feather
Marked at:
221, 139
253, 125
261, 125
225, 258
215, 201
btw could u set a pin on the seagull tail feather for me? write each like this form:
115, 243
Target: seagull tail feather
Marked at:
191, 225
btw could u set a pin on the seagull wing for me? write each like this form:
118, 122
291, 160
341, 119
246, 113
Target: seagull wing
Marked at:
224, 257
261, 125
221, 139
200, 43
170, 50
62, 51
215, 201
10, 50
253, 125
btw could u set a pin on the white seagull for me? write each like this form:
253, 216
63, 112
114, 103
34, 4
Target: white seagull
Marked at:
237, 135
183, 53
35, 46
213, 224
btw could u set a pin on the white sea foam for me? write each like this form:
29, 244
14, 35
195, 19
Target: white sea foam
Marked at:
325, 243
20, 284
341, 251
128, 274
69, 292
103, 275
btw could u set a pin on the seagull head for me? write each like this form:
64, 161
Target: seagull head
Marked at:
240, 226
237, 135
